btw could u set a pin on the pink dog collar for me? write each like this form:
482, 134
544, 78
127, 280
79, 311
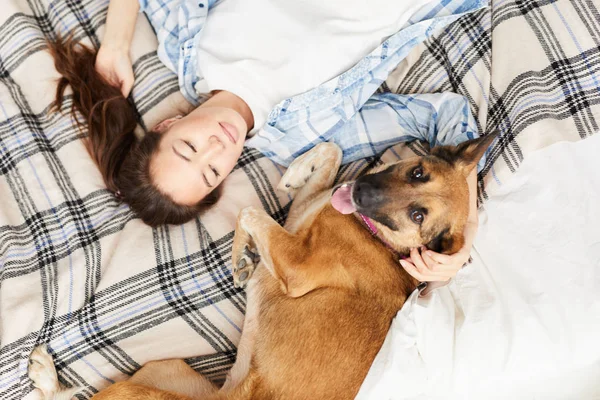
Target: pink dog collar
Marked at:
373, 229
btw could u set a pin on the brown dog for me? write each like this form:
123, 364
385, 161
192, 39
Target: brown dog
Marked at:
325, 291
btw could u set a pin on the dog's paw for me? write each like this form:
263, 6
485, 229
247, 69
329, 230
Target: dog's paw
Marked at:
244, 256
303, 167
244, 266
42, 373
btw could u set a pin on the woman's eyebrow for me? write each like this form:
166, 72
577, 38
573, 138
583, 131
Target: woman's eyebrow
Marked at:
179, 154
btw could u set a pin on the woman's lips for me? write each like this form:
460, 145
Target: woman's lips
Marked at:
230, 131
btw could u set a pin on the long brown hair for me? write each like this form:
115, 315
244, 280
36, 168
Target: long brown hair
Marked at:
111, 119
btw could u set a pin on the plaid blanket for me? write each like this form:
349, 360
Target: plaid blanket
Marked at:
79, 272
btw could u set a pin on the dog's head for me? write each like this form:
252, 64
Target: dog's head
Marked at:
422, 200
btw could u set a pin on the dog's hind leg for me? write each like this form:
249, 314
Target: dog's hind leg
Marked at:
43, 375
311, 173
174, 376
241, 367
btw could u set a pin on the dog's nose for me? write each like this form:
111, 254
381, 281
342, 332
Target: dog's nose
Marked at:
367, 193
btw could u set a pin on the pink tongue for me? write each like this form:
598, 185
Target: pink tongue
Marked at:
342, 200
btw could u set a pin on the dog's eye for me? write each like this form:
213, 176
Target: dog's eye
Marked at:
417, 217
417, 172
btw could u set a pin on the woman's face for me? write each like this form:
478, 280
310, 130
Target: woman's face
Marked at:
197, 152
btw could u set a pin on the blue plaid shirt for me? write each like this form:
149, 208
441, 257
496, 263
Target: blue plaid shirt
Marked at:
177, 24
346, 109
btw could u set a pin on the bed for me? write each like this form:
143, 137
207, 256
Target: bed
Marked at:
78, 271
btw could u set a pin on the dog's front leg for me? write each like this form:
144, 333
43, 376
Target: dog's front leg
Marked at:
310, 174
282, 253
251, 243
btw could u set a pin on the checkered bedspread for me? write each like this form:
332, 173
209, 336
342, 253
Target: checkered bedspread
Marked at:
79, 272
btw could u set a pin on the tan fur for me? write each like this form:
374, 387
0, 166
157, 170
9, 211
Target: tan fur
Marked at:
325, 291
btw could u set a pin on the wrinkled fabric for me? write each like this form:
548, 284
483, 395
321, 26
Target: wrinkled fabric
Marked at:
345, 109
523, 320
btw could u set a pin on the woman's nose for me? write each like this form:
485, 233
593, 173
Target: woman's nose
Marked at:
212, 148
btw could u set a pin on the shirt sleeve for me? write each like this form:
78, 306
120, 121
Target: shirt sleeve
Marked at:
143, 5
385, 120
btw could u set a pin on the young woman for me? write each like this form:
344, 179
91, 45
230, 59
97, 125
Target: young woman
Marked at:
249, 57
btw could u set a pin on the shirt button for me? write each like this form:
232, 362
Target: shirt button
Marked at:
200, 5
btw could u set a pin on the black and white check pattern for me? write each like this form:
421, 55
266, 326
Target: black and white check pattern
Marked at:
530, 68
79, 272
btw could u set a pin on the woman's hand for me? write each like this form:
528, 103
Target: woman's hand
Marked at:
113, 61
429, 266
114, 64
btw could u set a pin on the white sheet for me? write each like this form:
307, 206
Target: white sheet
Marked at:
522, 321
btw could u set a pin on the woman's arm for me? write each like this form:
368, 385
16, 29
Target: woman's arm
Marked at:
113, 61
431, 266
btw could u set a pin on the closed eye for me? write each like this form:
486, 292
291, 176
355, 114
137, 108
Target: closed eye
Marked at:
206, 181
180, 155
191, 146
215, 171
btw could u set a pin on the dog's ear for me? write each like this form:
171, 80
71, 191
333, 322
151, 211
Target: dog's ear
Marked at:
467, 154
446, 243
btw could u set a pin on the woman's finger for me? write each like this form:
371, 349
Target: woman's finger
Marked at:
412, 271
127, 79
126, 88
417, 260
438, 257
429, 261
